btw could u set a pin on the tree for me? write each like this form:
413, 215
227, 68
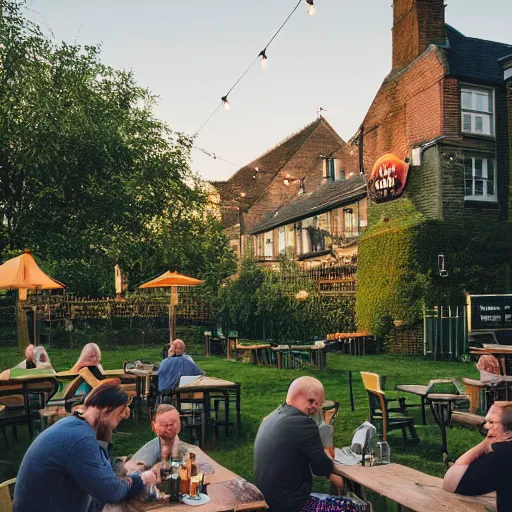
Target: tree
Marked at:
89, 177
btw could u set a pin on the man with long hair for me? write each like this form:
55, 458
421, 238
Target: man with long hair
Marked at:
65, 468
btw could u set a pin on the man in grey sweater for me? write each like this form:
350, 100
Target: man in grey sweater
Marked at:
288, 449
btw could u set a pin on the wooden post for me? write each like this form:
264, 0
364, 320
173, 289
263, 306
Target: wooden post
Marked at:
21, 327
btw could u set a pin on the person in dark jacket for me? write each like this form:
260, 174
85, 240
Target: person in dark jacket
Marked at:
66, 468
288, 449
487, 466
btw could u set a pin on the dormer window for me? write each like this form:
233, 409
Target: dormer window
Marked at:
477, 108
332, 170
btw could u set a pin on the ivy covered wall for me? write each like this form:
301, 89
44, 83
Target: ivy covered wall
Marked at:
397, 272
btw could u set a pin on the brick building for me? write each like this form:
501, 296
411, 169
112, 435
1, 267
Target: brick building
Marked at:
443, 106
301, 165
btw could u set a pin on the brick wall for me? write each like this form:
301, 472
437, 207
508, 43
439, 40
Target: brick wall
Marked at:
416, 25
407, 109
306, 162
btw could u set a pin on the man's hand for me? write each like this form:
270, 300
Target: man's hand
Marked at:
337, 481
149, 477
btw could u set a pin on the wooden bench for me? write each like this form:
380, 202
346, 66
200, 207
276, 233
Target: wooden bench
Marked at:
468, 420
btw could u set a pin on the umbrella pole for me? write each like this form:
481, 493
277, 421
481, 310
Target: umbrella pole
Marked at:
172, 317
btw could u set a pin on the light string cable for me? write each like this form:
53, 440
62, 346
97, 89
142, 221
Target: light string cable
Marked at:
213, 155
262, 54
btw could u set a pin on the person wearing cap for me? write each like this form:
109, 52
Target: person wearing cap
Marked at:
66, 468
288, 449
177, 365
487, 466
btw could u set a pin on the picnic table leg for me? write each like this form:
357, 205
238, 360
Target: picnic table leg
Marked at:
423, 412
238, 418
226, 413
351, 391
438, 412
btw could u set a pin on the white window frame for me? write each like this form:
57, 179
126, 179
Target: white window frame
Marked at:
486, 160
282, 239
268, 244
474, 113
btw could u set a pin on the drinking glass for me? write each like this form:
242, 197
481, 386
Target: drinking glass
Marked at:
382, 453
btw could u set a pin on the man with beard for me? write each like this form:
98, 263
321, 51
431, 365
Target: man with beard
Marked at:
65, 468
165, 446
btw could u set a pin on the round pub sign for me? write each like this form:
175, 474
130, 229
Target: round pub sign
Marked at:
388, 178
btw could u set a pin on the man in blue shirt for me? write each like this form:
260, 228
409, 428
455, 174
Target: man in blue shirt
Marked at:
177, 365
65, 468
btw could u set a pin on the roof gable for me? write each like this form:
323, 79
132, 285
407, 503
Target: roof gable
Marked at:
247, 185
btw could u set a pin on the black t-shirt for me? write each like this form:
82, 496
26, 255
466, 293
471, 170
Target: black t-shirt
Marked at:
491, 472
286, 450
30, 365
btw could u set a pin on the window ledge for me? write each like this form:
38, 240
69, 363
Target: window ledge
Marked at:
479, 136
481, 205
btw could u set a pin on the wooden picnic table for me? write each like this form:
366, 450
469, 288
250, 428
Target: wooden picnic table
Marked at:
201, 391
414, 490
227, 491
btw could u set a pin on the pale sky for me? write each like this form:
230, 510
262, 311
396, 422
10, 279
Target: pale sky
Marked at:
191, 52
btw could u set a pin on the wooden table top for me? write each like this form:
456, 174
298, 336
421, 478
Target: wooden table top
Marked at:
413, 388
227, 492
22, 375
492, 349
205, 382
415, 490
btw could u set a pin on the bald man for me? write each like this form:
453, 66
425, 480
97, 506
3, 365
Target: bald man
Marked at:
288, 449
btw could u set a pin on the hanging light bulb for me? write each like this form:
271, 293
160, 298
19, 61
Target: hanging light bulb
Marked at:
311, 7
227, 106
264, 59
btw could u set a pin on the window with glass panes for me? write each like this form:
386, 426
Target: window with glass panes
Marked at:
480, 178
331, 176
477, 110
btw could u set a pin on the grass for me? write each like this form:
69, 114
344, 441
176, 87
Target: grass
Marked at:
264, 388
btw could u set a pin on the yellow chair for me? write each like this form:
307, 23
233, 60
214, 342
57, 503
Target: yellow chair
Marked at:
5, 495
379, 409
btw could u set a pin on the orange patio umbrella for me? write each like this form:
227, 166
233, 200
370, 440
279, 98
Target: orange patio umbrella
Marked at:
172, 280
22, 273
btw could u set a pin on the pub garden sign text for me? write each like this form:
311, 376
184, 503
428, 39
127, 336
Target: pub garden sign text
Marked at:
388, 178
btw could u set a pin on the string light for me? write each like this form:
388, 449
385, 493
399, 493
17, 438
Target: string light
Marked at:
224, 99
264, 59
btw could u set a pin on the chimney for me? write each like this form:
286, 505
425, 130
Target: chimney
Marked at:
416, 25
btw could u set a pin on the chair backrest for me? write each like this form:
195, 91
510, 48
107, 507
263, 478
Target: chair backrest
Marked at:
68, 388
379, 409
371, 381
89, 377
5, 495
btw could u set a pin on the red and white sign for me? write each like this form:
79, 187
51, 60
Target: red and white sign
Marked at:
388, 178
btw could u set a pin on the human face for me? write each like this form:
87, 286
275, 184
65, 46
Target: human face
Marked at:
310, 401
493, 424
113, 417
167, 425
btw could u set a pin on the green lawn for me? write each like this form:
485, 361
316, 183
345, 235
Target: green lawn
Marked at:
264, 388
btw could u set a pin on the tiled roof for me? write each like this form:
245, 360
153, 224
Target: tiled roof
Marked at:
269, 164
323, 199
475, 60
